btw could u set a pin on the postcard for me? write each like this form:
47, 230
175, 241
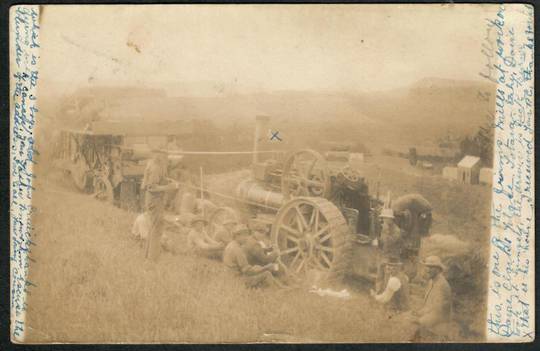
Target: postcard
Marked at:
358, 173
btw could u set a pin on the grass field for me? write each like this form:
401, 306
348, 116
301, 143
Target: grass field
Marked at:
93, 284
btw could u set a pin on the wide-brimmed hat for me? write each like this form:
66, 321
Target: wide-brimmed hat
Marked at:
230, 221
434, 261
240, 230
199, 219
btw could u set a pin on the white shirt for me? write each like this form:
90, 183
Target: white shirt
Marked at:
393, 285
141, 226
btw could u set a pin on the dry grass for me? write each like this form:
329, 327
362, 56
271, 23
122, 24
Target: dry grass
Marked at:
95, 286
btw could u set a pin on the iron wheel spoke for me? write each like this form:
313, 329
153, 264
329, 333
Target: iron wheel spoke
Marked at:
291, 230
293, 239
301, 265
295, 259
312, 217
322, 230
326, 259
289, 251
326, 248
326, 237
302, 219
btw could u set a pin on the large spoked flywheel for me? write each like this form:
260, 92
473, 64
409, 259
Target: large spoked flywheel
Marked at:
305, 174
311, 233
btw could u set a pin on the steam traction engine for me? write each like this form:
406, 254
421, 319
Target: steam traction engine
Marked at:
320, 215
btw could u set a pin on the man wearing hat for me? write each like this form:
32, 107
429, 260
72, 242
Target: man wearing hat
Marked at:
199, 241
434, 318
396, 292
224, 233
390, 245
414, 218
235, 258
155, 184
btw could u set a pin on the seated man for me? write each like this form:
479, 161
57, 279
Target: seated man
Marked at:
257, 251
396, 294
224, 234
434, 318
235, 258
203, 205
199, 241
186, 206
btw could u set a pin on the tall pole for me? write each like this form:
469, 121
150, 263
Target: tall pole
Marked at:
201, 189
260, 121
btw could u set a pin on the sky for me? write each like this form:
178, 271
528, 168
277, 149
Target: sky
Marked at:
250, 48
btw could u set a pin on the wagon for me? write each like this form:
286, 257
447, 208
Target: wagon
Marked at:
107, 158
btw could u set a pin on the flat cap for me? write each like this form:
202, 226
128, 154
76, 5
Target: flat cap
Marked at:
199, 219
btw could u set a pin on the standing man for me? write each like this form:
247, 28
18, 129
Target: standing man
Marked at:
413, 217
434, 318
235, 258
390, 245
154, 186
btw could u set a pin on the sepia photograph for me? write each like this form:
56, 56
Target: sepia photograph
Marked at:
268, 174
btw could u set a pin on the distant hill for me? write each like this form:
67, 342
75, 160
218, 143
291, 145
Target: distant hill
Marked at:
421, 113
429, 109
